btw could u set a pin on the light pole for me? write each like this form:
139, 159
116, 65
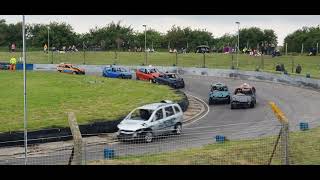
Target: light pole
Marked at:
24, 90
145, 42
238, 44
49, 44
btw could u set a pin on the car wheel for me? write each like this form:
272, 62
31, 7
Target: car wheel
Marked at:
232, 106
59, 70
210, 102
74, 72
178, 129
150, 81
148, 137
252, 105
137, 78
228, 101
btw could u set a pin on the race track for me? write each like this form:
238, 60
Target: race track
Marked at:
298, 104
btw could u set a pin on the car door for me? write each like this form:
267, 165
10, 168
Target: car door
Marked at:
158, 122
67, 69
169, 119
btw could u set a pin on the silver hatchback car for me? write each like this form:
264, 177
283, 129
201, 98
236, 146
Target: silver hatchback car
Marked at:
151, 120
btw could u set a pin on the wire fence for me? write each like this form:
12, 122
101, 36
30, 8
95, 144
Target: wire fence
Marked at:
310, 65
259, 143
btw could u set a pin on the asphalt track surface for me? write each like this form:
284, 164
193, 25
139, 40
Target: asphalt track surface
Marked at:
298, 104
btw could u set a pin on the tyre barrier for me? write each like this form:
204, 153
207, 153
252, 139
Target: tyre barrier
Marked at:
64, 134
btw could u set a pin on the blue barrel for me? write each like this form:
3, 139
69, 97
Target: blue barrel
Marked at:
108, 153
220, 138
304, 126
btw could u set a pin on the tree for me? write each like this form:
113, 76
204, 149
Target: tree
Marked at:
309, 37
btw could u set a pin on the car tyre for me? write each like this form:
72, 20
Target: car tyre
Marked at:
178, 129
232, 106
74, 72
252, 105
148, 137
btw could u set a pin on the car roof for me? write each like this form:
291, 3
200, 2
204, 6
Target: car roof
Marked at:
218, 84
154, 106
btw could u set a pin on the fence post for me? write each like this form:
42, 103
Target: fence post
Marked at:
76, 157
284, 143
317, 48
292, 63
262, 62
176, 58
232, 62
204, 60
286, 49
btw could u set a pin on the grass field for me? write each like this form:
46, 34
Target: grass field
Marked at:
52, 95
304, 149
310, 64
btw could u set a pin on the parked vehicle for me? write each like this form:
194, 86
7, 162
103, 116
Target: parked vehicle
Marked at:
116, 72
202, 49
147, 74
70, 69
151, 120
171, 79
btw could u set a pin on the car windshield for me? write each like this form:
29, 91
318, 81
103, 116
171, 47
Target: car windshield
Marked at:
153, 70
141, 114
244, 91
219, 88
172, 76
122, 70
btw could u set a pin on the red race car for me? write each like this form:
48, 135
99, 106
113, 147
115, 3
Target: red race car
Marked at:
147, 74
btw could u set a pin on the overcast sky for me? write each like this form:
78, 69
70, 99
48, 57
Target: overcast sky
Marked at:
217, 24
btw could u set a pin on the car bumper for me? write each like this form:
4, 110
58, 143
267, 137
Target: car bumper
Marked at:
219, 99
178, 85
128, 137
240, 104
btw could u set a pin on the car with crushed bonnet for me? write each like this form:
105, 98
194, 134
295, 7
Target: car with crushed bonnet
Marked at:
219, 93
244, 97
147, 73
152, 120
171, 79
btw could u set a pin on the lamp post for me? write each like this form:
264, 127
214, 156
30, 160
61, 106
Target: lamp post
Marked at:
238, 44
24, 90
145, 43
49, 44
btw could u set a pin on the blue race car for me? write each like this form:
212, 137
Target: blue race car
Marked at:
116, 72
219, 93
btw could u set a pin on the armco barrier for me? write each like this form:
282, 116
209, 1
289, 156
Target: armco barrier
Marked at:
28, 67
228, 73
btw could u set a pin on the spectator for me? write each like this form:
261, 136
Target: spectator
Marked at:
45, 48
278, 67
298, 69
13, 62
13, 47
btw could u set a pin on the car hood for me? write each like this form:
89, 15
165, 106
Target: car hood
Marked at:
131, 125
79, 69
219, 94
241, 98
155, 74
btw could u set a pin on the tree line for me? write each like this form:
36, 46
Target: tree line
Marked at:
115, 36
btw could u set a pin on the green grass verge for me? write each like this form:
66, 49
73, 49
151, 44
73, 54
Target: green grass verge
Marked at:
310, 64
51, 95
304, 148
